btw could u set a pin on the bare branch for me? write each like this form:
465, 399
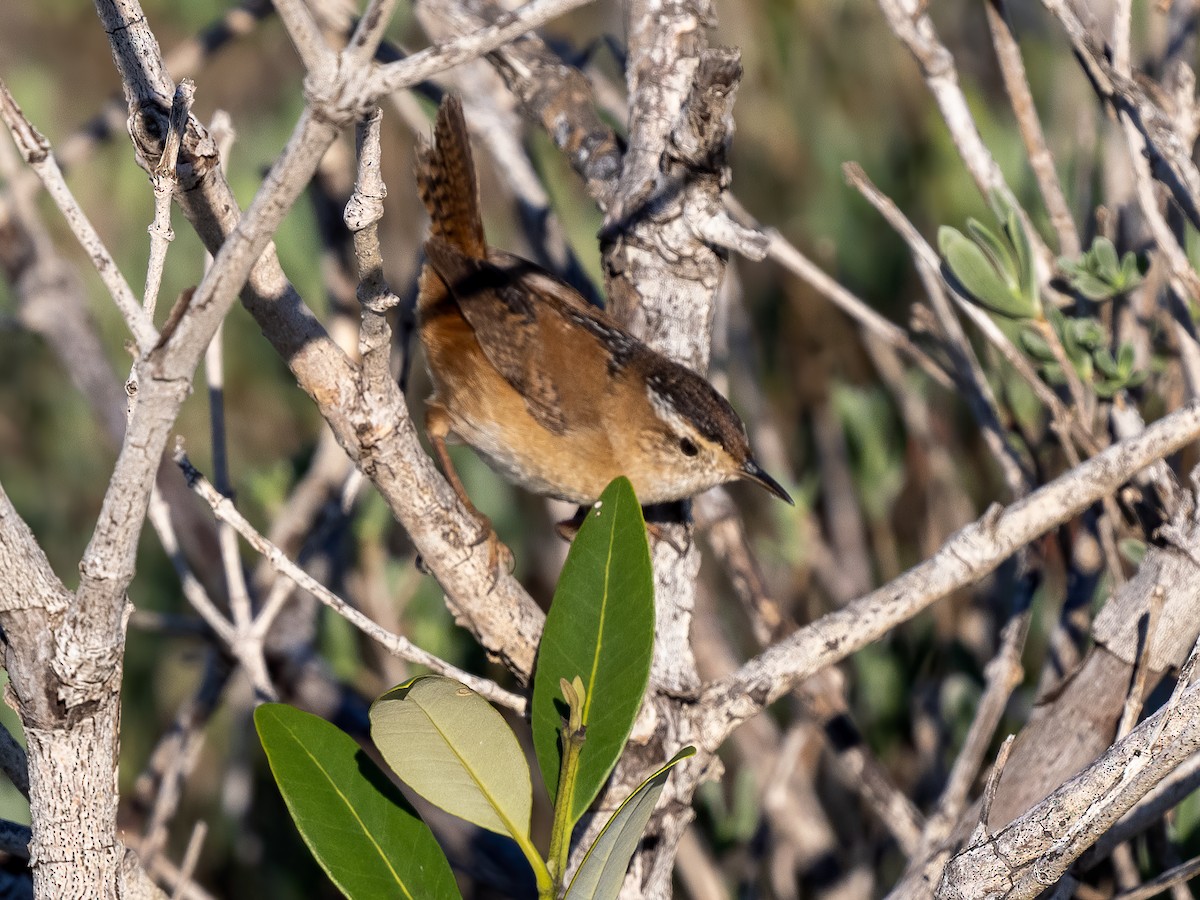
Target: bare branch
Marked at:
1037, 848
164, 182
428, 63
36, 151
972, 553
395, 644
910, 22
1012, 69
786, 254
302, 28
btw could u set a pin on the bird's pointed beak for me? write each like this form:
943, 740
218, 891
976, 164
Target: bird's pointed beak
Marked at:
753, 472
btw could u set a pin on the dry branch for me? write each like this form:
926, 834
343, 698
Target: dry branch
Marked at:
974, 552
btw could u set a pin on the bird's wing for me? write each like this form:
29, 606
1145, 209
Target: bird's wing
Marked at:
525, 322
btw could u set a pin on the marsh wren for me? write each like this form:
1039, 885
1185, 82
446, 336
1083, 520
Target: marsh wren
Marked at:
555, 395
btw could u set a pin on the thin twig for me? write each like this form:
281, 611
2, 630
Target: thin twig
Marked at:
1168, 879
1003, 675
395, 644
191, 856
971, 377
993, 782
248, 649
974, 552
818, 696
1137, 688
160, 517
369, 32
1067, 424
912, 25
302, 28
428, 63
175, 755
164, 182
786, 254
1170, 155
37, 153
1041, 160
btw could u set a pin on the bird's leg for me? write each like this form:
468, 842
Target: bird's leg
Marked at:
437, 426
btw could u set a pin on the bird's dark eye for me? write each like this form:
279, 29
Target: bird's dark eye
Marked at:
687, 447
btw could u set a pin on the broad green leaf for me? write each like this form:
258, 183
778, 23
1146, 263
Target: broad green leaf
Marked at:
1105, 363
1087, 332
1132, 269
1025, 261
1092, 287
971, 266
603, 869
1107, 265
600, 628
450, 746
357, 824
1036, 345
997, 251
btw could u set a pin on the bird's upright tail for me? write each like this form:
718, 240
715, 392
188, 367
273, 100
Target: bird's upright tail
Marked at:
446, 183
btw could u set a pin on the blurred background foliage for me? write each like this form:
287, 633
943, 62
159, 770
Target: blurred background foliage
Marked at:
825, 83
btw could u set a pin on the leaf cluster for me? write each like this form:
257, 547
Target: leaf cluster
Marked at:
997, 270
453, 749
1099, 275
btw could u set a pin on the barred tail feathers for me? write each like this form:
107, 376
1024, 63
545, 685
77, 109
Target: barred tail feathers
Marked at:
446, 183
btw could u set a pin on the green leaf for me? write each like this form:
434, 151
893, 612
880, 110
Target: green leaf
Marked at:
600, 628
975, 272
450, 746
1125, 358
1105, 254
357, 824
1105, 363
997, 251
1132, 270
1088, 332
1099, 275
1054, 374
1084, 367
1026, 265
1036, 345
1092, 287
603, 869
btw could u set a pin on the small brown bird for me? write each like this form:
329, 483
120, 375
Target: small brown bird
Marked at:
554, 394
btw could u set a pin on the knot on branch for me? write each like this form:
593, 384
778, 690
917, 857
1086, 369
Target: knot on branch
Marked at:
87, 668
149, 126
363, 210
339, 97
701, 136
